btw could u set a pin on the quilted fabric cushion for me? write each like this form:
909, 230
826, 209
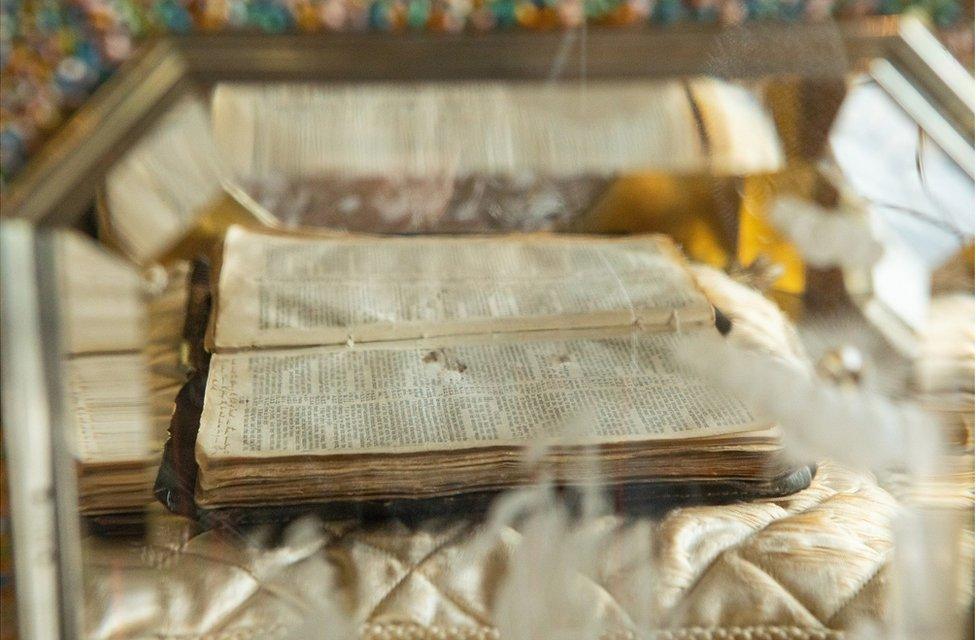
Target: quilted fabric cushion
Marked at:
805, 566
810, 565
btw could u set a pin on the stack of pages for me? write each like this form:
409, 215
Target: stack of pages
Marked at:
115, 461
120, 372
351, 368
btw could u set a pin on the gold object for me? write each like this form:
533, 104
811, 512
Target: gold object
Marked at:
698, 211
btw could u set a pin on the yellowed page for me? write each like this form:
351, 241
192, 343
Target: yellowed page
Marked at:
101, 299
108, 401
457, 393
277, 290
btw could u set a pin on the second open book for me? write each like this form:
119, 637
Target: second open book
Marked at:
360, 367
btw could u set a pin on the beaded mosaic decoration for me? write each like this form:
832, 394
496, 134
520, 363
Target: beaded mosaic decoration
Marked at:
53, 53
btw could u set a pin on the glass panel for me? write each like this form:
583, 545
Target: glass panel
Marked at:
529, 359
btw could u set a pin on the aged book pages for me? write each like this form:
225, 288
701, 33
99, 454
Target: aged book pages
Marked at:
353, 368
430, 130
121, 370
457, 393
277, 290
111, 409
108, 397
101, 299
752, 456
448, 416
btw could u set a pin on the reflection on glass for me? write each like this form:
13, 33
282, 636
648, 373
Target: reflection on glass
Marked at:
477, 157
414, 435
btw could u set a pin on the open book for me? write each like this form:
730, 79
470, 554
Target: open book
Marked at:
401, 368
